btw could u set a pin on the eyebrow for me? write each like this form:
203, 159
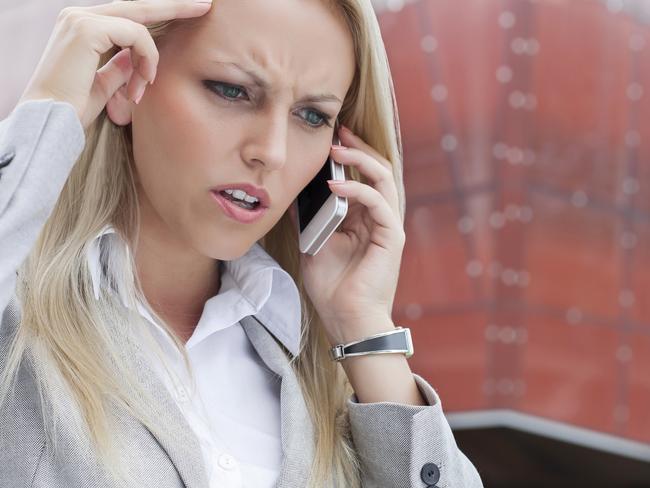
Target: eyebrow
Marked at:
262, 83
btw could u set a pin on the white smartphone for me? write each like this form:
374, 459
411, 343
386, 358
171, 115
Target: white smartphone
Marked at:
319, 210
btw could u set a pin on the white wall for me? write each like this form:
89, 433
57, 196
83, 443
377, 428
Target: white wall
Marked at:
25, 27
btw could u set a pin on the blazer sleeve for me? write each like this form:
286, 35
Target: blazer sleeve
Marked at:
413, 446
39, 143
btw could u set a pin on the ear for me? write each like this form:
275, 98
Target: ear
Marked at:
119, 107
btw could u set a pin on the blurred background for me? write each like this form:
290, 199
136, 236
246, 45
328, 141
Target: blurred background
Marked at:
527, 258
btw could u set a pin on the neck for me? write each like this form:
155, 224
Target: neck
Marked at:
176, 279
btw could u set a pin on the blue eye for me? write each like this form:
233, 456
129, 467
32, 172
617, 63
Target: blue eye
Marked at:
316, 119
229, 92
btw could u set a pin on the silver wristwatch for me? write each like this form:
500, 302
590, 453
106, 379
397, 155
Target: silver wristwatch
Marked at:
394, 341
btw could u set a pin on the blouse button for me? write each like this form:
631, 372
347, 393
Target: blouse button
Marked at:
226, 461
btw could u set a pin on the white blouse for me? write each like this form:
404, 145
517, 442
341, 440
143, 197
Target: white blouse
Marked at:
235, 410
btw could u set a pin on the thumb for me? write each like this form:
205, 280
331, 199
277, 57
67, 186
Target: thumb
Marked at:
108, 80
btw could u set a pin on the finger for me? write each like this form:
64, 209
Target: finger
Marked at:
109, 78
378, 175
114, 74
150, 12
137, 83
376, 204
350, 139
124, 32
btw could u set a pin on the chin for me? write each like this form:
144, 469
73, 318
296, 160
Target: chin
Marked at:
230, 253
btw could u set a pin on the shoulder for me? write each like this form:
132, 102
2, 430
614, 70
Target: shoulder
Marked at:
8, 324
22, 434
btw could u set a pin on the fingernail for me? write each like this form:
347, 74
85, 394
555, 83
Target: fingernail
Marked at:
345, 129
139, 97
337, 146
336, 182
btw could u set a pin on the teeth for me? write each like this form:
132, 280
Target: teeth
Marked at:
242, 195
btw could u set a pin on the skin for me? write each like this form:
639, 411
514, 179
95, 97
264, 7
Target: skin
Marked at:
188, 139
353, 280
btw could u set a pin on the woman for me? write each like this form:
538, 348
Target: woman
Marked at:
118, 262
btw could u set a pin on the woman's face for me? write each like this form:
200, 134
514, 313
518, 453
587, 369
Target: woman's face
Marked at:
205, 122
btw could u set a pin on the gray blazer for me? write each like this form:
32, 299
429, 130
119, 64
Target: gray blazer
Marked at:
399, 445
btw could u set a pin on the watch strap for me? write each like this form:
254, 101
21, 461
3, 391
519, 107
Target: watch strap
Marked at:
395, 341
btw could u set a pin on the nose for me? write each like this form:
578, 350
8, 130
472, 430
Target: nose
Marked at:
266, 142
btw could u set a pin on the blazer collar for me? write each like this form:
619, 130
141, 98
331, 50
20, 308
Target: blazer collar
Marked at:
182, 446
179, 441
254, 283
296, 426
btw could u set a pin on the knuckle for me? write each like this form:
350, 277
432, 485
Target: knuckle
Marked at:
79, 24
66, 12
386, 173
141, 28
385, 163
135, 29
145, 35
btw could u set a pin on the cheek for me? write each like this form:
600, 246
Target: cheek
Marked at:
296, 178
299, 176
172, 150
314, 166
174, 127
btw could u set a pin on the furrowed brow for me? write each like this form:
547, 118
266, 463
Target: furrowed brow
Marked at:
262, 83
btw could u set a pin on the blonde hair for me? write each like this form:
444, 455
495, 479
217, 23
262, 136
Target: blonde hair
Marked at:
71, 338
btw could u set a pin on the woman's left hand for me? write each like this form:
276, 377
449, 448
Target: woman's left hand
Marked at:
352, 280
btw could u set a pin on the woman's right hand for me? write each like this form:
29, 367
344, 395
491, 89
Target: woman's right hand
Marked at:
68, 71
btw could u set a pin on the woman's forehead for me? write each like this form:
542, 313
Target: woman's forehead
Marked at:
281, 40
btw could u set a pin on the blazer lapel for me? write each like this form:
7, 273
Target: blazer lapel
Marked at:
180, 443
183, 447
296, 426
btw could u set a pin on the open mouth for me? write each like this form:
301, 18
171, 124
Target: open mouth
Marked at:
240, 203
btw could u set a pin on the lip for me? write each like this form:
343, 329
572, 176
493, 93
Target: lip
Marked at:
255, 191
236, 212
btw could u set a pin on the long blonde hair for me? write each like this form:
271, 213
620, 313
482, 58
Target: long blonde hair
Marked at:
69, 336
